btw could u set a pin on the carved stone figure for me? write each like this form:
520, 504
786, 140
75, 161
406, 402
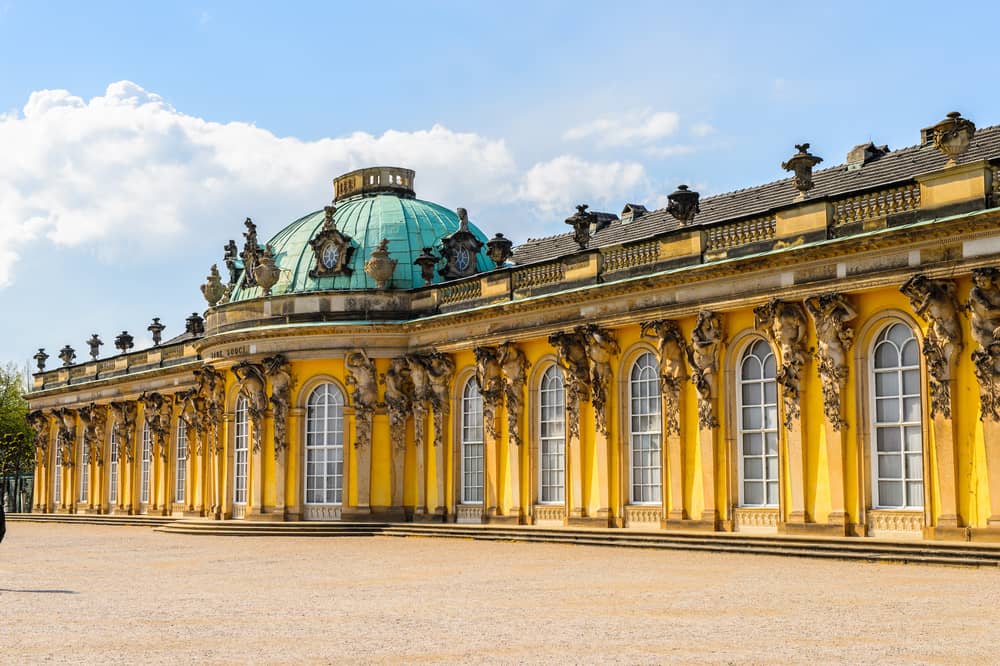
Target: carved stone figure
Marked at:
251, 381
279, 372
94, 419
581, 221
400, 401
571, 350
66, 434
364, 382
784, 323
192, 412
250, 255
210, 402
42, 427
490, 383
232, 253
602, 348
124, 428
672, 349
156, 414
830, 314
514, 366
331, 248
705, 340
936, 302
431, 374
984, 304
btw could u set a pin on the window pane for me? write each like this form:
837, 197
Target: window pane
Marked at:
890, 493
753, 444
772, 443
911, 382
911, 410
887, 383
887, 439
889, 467
772, 493
753, 468
752, 394
915, 494
911, 357
913, 438
887, 410
752, 418
914, 466
753, 493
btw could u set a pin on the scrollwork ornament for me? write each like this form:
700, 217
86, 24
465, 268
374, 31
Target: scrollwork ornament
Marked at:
936, 302
672, 350
830, 314
784, 324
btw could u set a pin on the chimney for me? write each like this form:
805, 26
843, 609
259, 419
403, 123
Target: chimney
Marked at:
864, 153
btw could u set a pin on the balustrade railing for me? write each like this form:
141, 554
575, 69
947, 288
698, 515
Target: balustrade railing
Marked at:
874, 205
622, 258
535, 276
744, 232
460, 292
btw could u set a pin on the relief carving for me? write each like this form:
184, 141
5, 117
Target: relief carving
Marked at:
602, 348
66, 434
514, 366
124, 428
785, 325
400, 401
936, 302
672, 349
94, 418
830, 314
490, 383
279, 372
192, 413
431, 374
363, 381
156, 414
571, 350
705, 340
210, 405
250, 377
42, 427
984, 304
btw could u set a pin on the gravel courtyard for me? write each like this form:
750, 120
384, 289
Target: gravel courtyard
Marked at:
94, 594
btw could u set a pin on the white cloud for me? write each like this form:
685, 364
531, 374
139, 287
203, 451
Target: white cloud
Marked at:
559, 184
702, 129
129, 175
643, 126
670, 150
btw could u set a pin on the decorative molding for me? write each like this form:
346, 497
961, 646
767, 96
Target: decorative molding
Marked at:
490, 383
400, 402
469, 513
362, 379
705, 340
637, 515
332, 249
784, 323
279, 371
829, 313
251, 380
672, 350
750, 519
935, 301
984, 306
549, 513
321, 512
889, 523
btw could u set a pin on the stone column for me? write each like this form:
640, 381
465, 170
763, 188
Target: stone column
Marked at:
673, 499
514, 476
255, 483
363, 454
944, 445
441, 442
490, 474
991, 437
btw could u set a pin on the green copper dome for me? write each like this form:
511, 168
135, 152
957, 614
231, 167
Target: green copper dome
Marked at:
409, 225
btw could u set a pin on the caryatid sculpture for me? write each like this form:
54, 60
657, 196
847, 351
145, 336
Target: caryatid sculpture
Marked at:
440, 370
42, 427
124, 413
209, 403
400, 401
830, 314
571, 350
66, 434
705, 340
602, 348
362, 379
191, 412
490, 382
984, 305
279, 373
672, 349
936, 302
250, 377
156, 414
514, 366
784, 323
94, 419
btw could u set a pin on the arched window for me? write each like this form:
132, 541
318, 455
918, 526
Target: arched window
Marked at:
324, 466
897, 456
644, 430
113, 468
552, 437
180, 477
471, 458
758, 426
147, 459
57, 473
241, 451
84, 471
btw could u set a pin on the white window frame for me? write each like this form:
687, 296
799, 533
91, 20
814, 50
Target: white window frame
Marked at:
472, 446
113, 469
180, 463
57, 473
552, 437
906, 479
767, 480
241, 452
324, 445
84, 471
146, 463
645, 431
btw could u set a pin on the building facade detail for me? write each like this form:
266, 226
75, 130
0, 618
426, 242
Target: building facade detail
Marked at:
830, 314
936, 302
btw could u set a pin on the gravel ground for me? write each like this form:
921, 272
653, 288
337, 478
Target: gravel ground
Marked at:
95, 594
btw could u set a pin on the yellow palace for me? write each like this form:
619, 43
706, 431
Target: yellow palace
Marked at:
814, 355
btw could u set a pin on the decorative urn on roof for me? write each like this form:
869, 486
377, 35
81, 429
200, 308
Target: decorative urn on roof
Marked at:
953, 135
499, 250
683, 204
213, 289
581, 222
67, 355
123, 342
380, 267
266, 272
40, 359
802, 164
156, 328
95, 343
427, 261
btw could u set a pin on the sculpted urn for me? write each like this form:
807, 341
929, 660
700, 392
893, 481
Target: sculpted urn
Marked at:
213, 289
380, 267
266, 273
953, 135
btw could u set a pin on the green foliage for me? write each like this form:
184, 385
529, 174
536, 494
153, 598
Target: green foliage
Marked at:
16, 446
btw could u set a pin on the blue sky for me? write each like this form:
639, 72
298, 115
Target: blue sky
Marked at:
177, 120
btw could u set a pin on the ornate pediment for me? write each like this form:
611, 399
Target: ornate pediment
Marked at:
333, 250
459, 250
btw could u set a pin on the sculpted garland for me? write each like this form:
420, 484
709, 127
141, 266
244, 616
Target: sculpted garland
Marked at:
705, 340
672, 349
935, 301
250, 377
830, 314
362, 378
784, 323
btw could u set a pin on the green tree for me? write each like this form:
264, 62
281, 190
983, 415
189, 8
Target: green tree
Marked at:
16, 447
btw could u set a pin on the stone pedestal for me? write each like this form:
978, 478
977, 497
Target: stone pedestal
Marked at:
490, 475
795, 513
991, 437
944, 447
836, 441
673, 499
707, 444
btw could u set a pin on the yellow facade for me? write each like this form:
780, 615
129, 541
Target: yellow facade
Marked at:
825, 473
